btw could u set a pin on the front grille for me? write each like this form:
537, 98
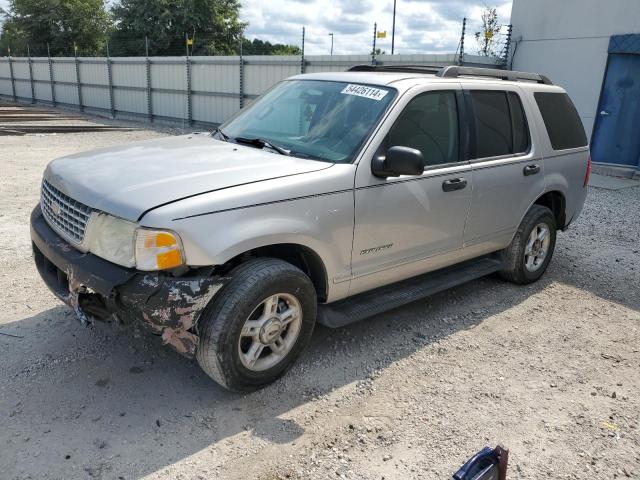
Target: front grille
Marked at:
66, 215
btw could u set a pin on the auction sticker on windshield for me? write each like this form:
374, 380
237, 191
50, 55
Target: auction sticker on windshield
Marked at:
367, 92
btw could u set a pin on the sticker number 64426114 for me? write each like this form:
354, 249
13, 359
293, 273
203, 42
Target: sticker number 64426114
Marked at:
364, 91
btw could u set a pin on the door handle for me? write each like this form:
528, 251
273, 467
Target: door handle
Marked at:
531, 170
454, 184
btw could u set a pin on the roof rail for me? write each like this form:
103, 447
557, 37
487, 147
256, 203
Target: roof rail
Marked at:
396, 68
455, 71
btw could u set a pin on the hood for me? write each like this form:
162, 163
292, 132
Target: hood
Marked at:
129, 180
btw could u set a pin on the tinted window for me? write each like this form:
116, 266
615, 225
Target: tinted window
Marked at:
562, 120
312, 118
492, 123
429, 123
520, 128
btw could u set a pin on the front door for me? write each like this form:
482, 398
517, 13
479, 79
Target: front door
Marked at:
615, 138
404, 224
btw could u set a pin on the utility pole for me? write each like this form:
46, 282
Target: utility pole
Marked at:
464, 28
302, 60
393, 29
373, 52
331, 34
188, 67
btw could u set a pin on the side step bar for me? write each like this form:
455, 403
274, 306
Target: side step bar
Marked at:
373, 302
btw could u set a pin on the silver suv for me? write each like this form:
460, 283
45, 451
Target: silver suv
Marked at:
332, 198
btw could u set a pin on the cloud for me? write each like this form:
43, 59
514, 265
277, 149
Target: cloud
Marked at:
422, 26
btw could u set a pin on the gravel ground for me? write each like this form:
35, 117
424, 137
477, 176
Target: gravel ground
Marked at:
551, 370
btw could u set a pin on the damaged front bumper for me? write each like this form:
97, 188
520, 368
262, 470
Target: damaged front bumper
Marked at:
95, 288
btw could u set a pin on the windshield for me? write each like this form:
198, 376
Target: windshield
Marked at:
312, 119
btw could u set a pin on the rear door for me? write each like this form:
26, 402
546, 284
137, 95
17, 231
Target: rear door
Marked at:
507, 166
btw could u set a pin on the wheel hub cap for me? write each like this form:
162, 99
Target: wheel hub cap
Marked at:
271, 330
537, 247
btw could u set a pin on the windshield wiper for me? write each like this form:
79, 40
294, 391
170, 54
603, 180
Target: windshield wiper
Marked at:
262, 143
224, 136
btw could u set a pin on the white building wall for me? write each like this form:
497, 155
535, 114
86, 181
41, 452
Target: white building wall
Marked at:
567, 40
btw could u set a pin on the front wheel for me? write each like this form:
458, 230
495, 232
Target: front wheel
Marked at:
531, 249
257, 326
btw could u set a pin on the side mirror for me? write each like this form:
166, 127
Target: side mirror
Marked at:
398, 161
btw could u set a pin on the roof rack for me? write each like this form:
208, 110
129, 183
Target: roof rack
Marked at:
455, 72
396, 68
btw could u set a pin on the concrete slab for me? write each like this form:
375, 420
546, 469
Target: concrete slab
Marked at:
614, 171
611, 183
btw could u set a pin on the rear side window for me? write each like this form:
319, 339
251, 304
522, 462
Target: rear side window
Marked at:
562, 120
500, 123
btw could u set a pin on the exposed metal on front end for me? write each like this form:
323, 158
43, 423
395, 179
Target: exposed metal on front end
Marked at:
96, 289
170, 306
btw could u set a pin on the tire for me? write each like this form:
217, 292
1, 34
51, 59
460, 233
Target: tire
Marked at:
255, 287
517, 270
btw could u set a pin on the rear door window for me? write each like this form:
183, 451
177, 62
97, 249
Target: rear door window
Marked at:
520, 127
499, 122
561, 120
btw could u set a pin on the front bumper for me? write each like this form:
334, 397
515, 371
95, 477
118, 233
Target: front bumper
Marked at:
95, 288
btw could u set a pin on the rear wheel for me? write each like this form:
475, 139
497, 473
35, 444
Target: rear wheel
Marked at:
531, 249
257, 326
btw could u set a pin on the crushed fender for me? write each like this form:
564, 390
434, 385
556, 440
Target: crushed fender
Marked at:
173, 307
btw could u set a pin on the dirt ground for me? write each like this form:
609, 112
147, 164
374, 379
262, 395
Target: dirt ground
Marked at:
551, 370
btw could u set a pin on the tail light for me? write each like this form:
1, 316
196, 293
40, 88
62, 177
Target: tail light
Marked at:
588, 172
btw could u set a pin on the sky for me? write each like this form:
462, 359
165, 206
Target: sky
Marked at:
422, 26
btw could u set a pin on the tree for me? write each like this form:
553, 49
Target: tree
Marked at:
60, 23
487, 38
213, 25
260, 47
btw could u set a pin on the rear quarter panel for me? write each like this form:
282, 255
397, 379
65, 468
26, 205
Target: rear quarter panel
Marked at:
564, 169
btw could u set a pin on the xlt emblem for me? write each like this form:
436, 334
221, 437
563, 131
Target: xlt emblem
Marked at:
379, 249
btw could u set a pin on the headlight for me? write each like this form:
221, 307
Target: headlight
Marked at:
157, 250
124, 243
113, 239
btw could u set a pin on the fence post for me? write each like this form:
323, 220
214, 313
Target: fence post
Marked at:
373, 52
302, 60
78, 84
110, 79
33, 90
464, 27
52, 83
241, 78
149, 99
188, 65
13, 78
507, 47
